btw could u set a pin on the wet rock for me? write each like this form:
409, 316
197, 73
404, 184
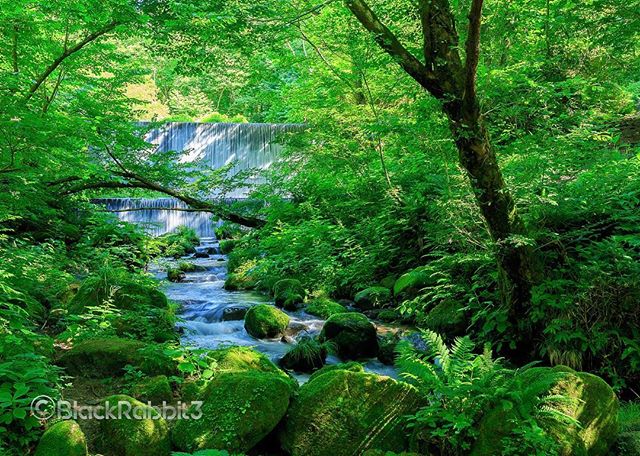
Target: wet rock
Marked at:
353, 334
265, 321
234, 313
201, 255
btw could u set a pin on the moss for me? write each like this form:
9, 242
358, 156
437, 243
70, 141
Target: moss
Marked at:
305, 356
388, 281
154, 389
593, 404
409, 284
292, 302
175, 275
351, 366
352, 333
186, 266
105, 357
389, 315
94, 291
288, 290
628, 443
345, 413
239, 409
629, 417
445, 318
387, 352
373, 298
64, 438
324, 308
134, 437
265, 321
244, 359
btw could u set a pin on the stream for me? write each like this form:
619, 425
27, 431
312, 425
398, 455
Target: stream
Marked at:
212, 317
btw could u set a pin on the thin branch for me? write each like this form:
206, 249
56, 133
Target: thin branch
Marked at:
68, 52
14, 50
392, 46
473, 56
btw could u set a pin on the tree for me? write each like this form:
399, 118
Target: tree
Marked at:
452, 81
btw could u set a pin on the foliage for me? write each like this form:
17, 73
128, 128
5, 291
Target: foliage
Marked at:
460, 387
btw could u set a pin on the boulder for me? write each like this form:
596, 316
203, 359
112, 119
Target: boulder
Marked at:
592, 403
342, 413
243, 359
186, 266
323, 308
175, 275
234, 313
353, 335
239, 409
64, 438
372, 298
106, 357
389, 315
155, 389
201, 255
143, 433
265, 321
306, 356
351, 366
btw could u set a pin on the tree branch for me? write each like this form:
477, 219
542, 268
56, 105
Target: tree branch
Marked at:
392, 46
68, 52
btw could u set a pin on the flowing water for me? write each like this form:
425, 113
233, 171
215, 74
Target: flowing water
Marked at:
208, 309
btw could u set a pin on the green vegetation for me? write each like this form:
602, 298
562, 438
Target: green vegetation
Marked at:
464, 171
265, 321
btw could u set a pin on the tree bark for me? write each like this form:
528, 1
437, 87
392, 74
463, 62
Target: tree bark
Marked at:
445, 77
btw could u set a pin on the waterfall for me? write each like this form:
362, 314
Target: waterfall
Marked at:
207, 145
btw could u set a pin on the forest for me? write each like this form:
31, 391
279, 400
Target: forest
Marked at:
365, 227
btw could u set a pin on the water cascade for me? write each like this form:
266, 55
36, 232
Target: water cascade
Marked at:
206, 145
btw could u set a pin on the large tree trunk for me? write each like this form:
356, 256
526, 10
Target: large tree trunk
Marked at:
445, 76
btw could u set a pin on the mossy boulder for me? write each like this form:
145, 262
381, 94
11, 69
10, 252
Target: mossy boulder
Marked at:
324, 308
387, 352
64, 438
353, 335
372, 298
446, 318
411, 283
187, 266
106, 357
592, 403
351, 366
389, 315
175, 275
389, 281
345, 413
95, 291
155, 389
307, 355
265, 321
288, 293
238, 409
244, 359
143, 433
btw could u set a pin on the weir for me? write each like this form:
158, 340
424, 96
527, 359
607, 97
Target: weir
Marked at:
247, 146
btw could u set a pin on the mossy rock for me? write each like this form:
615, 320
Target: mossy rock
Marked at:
130, 436
388, 281
107, 357
345, 413
239, 409
288, 290
373, 298
158, 325
411, 283
265, 321
127, 296
64, 438
175, 275
186, 266
324, 308
353, 334
307, 355
154, 389
592, 403
389, 315
387, 352
351, 366
245, 359
446, 318
292, 302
